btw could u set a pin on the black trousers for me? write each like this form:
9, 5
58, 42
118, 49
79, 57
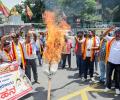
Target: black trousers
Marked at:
88, 66
31, 63
64, 57
110, 68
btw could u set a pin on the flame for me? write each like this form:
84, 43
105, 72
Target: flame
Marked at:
55, 38
64, 25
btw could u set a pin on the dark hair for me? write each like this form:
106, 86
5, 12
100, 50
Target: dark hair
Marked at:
117, 31
16, 36
6, 43
93, 31
80, 32
25, 35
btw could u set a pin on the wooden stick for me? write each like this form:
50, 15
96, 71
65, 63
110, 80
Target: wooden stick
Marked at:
49, 85
49, 89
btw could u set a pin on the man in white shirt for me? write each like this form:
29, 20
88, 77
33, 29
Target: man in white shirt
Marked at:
89, 52
114, 61
30, 57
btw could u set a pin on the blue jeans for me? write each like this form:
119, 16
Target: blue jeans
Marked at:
102, 70
96, 61
39, 57
79, 62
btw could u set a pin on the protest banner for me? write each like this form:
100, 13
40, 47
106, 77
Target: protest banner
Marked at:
13, 82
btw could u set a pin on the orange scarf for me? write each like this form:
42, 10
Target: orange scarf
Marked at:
29, 49
108, 47
76, 45
93, 51
84, 47
21, 52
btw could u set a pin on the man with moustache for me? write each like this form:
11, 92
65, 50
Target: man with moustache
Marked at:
113, 61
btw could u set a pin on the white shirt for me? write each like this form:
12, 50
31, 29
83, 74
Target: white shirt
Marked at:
114, 56
18, 54
97, 41
89, 46
33, 56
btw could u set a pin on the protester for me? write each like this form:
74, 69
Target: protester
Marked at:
30, 57
17, 51
6, 53
78, 52
113, 56
66, 53
89, 46
38, 52
102, 60
96, 52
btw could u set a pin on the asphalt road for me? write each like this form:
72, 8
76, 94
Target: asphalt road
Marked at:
66, 85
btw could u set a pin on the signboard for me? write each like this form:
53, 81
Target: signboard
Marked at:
13, 82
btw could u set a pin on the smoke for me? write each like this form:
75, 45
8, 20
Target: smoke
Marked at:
54, 6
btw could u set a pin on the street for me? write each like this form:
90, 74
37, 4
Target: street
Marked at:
66, 85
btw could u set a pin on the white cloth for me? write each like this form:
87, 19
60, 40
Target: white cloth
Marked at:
114, 56
5, 58
89, 46
97, 41
18, 54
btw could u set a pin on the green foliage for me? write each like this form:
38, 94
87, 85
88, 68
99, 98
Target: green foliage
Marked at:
36, 9
111, 10
83, 8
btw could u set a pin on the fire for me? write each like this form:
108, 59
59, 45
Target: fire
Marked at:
64, 25
55, 38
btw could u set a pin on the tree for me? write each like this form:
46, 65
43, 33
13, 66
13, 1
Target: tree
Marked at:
110, 13
83, 8
37, 9
111, 9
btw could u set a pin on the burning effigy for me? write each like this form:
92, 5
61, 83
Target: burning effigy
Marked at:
56, 29
54, 42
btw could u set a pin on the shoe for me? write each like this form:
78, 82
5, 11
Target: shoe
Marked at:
93, 79
101, 81
96, 73
84, 79
69, 68
37, 82
106, 89
117, 91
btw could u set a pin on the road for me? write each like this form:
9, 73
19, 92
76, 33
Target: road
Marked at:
66, 85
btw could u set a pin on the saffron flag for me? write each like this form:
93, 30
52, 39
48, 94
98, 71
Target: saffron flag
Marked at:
29, 12
4, 9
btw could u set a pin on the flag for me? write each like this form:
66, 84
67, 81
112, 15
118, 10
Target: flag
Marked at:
29, 12
4, 9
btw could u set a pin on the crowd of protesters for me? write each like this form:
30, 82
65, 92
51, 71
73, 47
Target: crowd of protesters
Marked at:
92, 53
95, 53
24, 50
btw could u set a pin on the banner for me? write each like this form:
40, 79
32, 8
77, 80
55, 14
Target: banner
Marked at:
13, 82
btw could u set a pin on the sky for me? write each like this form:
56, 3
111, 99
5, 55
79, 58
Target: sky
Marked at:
10, 3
